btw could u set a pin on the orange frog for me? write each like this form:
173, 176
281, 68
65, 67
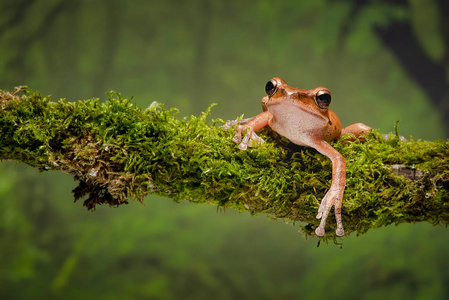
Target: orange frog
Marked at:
304, 117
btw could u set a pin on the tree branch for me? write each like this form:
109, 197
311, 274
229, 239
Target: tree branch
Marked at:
118, 151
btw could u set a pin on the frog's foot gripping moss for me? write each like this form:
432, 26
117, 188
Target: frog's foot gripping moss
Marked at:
250, 138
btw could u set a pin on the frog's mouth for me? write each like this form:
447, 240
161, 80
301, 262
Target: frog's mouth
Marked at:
291, 107
265, 101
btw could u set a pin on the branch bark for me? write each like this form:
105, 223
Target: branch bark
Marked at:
118, 151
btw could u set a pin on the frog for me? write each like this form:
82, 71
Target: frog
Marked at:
303, 117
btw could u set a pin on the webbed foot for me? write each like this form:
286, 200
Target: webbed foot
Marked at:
332, 198
250, 138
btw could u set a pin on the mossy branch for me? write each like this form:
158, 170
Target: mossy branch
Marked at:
118, 151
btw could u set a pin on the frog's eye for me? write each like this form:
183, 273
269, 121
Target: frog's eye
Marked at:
323, 99
271, 87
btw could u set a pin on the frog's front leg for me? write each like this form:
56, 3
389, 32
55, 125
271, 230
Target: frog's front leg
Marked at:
231, 123
248, 131
334, 196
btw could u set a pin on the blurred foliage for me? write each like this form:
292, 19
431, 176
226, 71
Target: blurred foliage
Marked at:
188, 54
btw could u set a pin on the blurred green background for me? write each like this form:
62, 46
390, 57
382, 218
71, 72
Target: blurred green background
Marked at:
383, 61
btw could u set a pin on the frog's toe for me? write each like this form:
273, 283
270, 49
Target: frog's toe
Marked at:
319, 231
243, 146
257, 139
229, 124
323, 212
237, 138
323, 206
340, 231
388, 136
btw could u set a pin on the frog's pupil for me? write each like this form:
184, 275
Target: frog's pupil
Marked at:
269, 88
325, 98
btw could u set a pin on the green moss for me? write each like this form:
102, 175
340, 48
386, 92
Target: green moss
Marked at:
118, 151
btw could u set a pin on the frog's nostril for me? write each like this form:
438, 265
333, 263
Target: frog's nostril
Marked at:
293, 95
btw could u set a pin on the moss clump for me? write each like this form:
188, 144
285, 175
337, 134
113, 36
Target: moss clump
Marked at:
118, 151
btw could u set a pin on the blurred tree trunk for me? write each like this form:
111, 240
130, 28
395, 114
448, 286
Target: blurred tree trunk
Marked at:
19, 14
429, 74
398, 36
105, 64
203, 37
62, 50
15, 13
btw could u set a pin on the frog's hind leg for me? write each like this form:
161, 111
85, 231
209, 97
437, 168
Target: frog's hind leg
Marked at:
360, 129
334, 196
357, 129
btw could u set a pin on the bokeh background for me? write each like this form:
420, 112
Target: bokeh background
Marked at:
384, 61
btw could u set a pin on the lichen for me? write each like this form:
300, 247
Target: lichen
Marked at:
118, 151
